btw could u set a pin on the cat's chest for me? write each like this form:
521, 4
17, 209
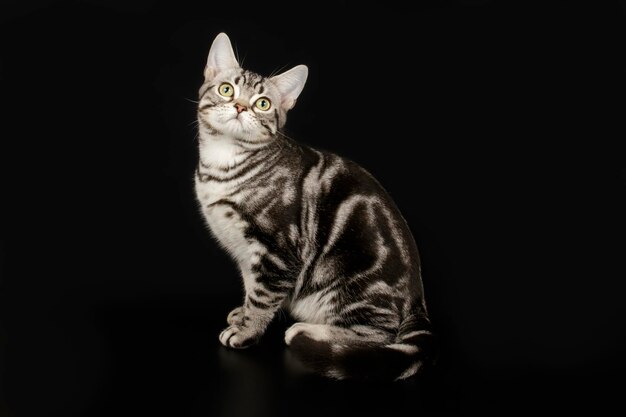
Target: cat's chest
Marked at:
229, 228
218, 207
209, 192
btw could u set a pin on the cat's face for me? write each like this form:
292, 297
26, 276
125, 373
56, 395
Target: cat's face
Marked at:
241, 105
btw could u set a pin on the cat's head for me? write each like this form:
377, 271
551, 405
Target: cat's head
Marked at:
240, 104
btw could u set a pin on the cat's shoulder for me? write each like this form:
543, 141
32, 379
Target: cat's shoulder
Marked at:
327, 167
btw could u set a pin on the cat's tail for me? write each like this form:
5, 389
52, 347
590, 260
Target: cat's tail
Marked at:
340, 358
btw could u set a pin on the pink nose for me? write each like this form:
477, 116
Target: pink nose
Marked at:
240, 108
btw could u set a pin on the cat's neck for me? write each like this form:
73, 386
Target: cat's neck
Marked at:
221, 151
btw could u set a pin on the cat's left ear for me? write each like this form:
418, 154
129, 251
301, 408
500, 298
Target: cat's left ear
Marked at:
290, 85
221, 57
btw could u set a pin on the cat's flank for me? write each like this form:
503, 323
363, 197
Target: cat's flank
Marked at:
311, 232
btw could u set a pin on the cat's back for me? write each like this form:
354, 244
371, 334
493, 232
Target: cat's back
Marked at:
354, 240
339, 195
332, 179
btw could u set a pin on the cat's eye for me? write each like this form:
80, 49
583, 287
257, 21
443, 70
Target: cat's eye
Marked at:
226, 90
263, 103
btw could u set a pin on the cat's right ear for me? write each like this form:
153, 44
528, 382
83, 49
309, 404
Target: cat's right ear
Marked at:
221, 57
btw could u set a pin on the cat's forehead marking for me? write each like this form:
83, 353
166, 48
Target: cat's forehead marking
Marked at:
260, 85
251, 80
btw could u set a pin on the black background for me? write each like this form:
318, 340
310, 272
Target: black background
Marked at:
494, 125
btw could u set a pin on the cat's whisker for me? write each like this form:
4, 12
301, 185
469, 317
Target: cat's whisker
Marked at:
282, 316
284, 135
240, 59
277, 71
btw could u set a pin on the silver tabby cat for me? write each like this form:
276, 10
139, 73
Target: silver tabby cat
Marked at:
312, 233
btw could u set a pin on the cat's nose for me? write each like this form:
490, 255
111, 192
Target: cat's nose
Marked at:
240, 107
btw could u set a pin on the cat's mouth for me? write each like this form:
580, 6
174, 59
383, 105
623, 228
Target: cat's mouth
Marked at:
236, 119
244, 115
237, 125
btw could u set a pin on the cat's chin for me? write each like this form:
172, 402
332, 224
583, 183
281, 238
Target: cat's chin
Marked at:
236, 129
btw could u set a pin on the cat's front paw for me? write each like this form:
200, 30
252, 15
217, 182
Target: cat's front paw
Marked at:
236, 316
238, 337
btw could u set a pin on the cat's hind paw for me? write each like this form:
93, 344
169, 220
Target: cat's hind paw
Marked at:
238, 337
319, 332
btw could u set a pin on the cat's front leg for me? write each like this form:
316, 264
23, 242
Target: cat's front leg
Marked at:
250, 321
265, 292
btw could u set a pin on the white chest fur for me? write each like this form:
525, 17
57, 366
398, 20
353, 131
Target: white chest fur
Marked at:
220, 151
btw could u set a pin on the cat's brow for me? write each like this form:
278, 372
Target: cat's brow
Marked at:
261, 89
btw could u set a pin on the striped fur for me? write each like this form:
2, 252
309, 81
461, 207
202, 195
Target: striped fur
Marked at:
312, 233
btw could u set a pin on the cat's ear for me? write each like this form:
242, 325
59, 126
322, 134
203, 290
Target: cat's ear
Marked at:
290, 85
221, 57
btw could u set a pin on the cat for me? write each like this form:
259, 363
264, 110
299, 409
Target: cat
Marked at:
311, 232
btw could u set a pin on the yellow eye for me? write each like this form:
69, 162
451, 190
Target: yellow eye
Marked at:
263, 103
226, 90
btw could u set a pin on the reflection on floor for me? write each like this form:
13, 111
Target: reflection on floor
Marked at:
163, 357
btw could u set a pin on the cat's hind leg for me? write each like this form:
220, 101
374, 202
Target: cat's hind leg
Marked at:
338, 335
359, 351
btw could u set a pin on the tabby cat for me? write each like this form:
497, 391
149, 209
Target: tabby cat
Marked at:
311, 232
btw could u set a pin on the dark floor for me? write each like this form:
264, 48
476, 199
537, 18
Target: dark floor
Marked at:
162, 357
